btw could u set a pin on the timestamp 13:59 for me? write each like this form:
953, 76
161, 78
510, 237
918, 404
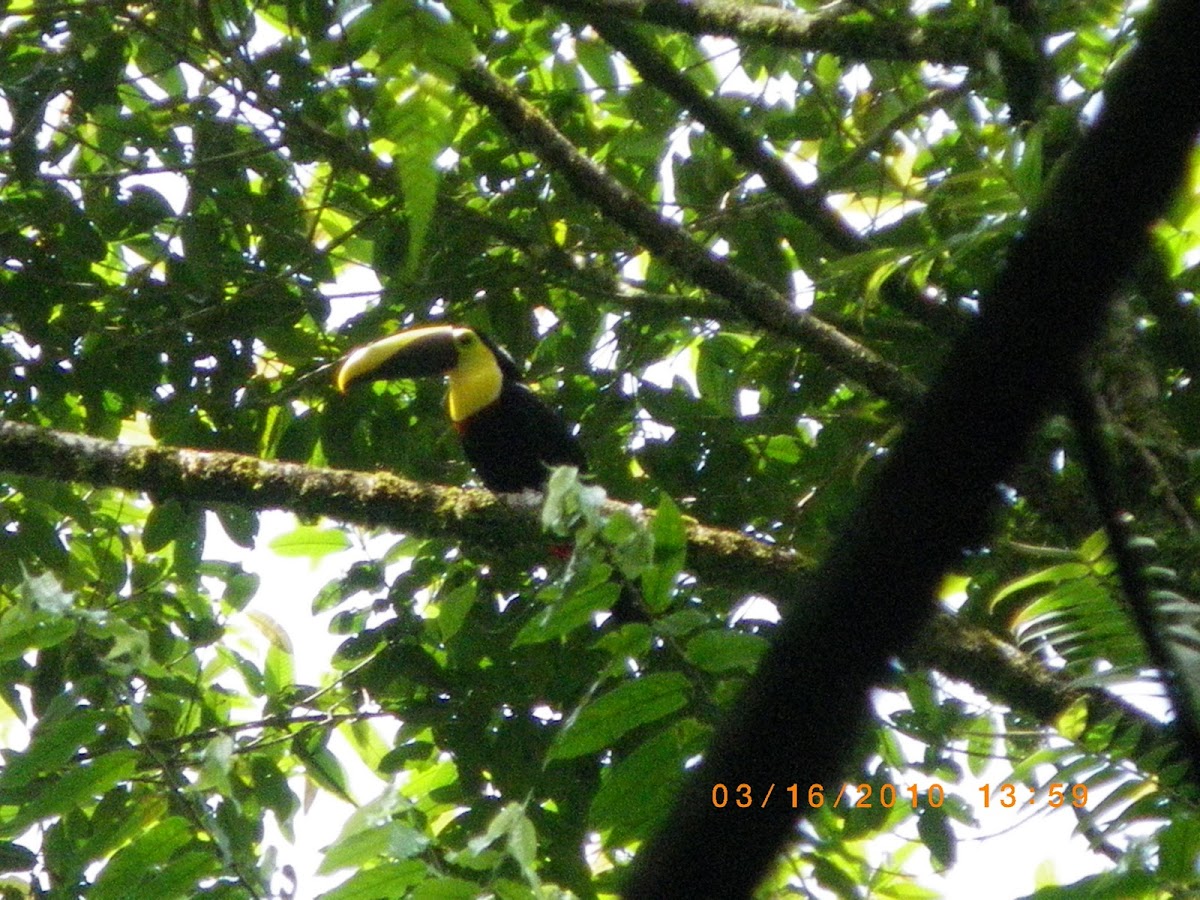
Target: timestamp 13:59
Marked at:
1058, 794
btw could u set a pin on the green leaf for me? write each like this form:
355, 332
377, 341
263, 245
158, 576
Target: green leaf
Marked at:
388, 840
216, 764
1053, 575
310, 541
637, 792
722, 650
425, 122
15, 858
512, 824
279, 672
446, 889
239, 523
933, 827
668, 528
453, 607
1179, 848
605, 719
783, 448
981, 738
74, 790
240, 588
575, 610
132, 865
54, 744
388, 880
669, 533
719, 360
1072, 722
21, 632
1095, 546
366, 741
321, 765
472, 12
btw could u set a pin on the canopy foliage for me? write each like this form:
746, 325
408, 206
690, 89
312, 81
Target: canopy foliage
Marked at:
735, 244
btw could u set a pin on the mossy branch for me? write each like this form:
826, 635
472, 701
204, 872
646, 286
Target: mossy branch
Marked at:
481, 521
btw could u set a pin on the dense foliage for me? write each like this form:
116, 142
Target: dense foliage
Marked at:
733, 245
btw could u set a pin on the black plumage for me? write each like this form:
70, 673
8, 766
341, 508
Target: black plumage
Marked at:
514, 443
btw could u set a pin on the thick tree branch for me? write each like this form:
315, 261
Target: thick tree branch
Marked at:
480, 520
758, 301
977, 657
799, 718
855, 37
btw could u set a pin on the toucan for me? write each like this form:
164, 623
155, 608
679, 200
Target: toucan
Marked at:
511, 437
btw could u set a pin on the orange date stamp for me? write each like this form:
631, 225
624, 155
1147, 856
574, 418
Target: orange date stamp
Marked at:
887, 795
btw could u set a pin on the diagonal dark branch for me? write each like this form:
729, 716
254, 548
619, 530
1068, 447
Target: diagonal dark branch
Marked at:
751, 150
756, 300
806, 202
798, 720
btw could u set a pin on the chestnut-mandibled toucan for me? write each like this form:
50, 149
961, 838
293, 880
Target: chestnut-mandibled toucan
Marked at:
510, 436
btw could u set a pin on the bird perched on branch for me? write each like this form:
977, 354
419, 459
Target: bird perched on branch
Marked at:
510, 436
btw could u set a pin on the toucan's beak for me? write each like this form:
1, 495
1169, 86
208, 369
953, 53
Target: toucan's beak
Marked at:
410, 354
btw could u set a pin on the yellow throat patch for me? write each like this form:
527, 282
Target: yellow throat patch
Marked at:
475, 382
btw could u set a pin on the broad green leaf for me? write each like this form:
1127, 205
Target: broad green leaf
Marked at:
520, 837
387, 880
637, 791
424, 119
605, 719
310, 541
387, 841
365, 739
321, 765
1072, 722
453, 608
15, 858
723, 650
54, 744
279, 673
77, 788
935, 832
134, 863
240, 524
670, 551
446, 889
575, 610
216, 763
981, 739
